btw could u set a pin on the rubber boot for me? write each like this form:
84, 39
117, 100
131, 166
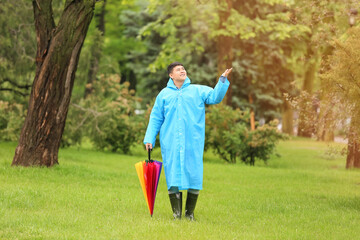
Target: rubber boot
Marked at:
190, 206
176, 204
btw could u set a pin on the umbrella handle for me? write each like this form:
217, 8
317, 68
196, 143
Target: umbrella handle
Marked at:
149, 155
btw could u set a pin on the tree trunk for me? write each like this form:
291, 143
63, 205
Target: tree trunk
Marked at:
325, 128
96, 49
56, 62
252, 113
353, 154
128, 75
287, 118
252, 160
224, 48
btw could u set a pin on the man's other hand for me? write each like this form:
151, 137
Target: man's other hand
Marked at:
227, 72
148, 146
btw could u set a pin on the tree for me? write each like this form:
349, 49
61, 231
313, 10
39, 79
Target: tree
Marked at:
57, 56
343, 82
326, 19
245, 35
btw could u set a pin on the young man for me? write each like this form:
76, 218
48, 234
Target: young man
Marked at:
179, 115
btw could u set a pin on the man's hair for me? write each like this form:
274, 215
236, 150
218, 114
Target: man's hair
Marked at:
172, 65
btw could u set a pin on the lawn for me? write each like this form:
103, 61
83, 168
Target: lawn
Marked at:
97, 195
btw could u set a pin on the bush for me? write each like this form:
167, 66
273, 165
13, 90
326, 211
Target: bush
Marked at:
106, 116
228, 133
220, 119
117, 133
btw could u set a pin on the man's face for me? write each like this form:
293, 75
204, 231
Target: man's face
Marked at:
178, 73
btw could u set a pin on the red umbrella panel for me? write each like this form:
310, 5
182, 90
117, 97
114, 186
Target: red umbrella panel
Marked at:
149, 174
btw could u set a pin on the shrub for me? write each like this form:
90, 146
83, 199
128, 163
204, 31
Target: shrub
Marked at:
228, 134
106, 116
220, 119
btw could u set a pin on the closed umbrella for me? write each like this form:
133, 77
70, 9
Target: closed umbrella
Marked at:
149, 172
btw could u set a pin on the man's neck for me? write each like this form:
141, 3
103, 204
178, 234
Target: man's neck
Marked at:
178, 84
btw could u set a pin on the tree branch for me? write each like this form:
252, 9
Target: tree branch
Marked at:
26, 86
93, 112
15, 91
38, 5
354, 80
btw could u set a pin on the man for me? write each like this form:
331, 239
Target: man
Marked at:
179, 115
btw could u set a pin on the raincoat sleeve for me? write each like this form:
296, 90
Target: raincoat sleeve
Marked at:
216, 95
155, 122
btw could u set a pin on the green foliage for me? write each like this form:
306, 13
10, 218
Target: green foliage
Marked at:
106, 52
343, 77
117, 133
342, 81
18, 49
229, 135
306, 104
141, 38
183, 33
107, 117
138, 57
12, 116
245, 21
325, 19
263, 41
257, 144
334, 152
138, 62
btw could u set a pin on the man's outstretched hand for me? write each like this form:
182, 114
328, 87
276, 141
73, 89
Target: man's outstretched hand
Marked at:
227, 72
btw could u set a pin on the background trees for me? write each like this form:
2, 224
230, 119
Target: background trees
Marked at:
278, 51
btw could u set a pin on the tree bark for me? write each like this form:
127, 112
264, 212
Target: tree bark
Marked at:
252, 113
287, 118
353, 154
325, 128
224, 48
56, 62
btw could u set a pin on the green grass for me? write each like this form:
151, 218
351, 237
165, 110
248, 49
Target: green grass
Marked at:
96, 195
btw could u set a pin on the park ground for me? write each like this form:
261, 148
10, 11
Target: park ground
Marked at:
303, 194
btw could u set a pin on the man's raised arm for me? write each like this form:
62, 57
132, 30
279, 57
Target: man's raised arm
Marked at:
217, 94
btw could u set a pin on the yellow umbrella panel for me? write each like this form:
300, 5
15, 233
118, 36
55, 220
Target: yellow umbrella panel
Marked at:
140, 173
